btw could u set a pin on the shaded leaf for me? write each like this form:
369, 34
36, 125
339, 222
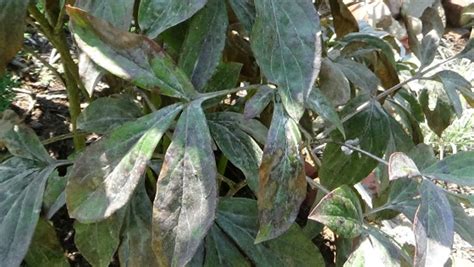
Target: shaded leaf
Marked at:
54, 188
12, 19
21, 196
98, 242
344, 21
453, 83
204, 43
129, 56
403, 197
375, 250
45, 249
319, 104
400, 165
185, 202
238, 147
155, 16
225, 76
245, 11
105, 176
254, 128
423, 156
221, 251
237, 217
358, 74
107, 113
339, 167
440, 117
258, 102
429, 47
463, 223
135, 247
340, 210
333, 83
371, 41
458, 169
287, 47
282, 184
433, 227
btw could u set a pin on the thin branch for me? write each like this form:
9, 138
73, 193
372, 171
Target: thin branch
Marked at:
316, 185
368, 154
207, 96
45, 63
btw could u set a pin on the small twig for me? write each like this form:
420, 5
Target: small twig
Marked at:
236, 188
316, 185
58, 138
368, 154
211, 95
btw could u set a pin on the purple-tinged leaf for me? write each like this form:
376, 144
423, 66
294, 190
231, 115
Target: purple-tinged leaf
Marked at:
286, 43
282, 184
155, 16
105, 176
186, 197
433, 227
458, 169
340, 210
129, 56
400, 165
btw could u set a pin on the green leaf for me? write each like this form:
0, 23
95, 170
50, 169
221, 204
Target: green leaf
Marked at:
440, 117
238, 147
433, 227
129, 56
458, 169
107, 113
358, 74
400, 165
376, 249
282, 184
221, 251
20, 140
468, 51
245, 12
344, 21
135, 247
204, 43
185, 202
429, 47
237, 217
372, 41
254, 128
319, 104
45, 249
21, 195
98, 242
287, 47
463, 223
340, 210
12, 19
340, 167
226, 76
452, 83
333, 83
423, 156
403, 197
105, 176
258, 102
155, 16
118, 13
54, 188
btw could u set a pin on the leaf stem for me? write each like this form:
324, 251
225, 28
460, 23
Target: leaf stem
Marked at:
316, 185
207, 96
368, 154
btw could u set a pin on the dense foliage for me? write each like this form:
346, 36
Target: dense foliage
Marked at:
206, 143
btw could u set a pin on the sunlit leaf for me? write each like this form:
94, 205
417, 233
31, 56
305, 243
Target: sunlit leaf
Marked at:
258, 102
453, 84
287, 47
282, 184
463, 223
400, 165
185, 202
458, 169
237, 217
45, 249
342, 167
317, 102
340, 210
238, 147
107, 113
433, 227
12, 19
129, 56
415, 8
21, 196
105, 176
202, 48
155, 16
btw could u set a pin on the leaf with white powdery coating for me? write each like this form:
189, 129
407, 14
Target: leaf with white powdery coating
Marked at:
286, 43
282, 184
155, 16
129, 56
318, 103
21, 196
433, 227
458, 169
340, 210
186, 197
258, 102
400, 165
105, 176
204, 43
